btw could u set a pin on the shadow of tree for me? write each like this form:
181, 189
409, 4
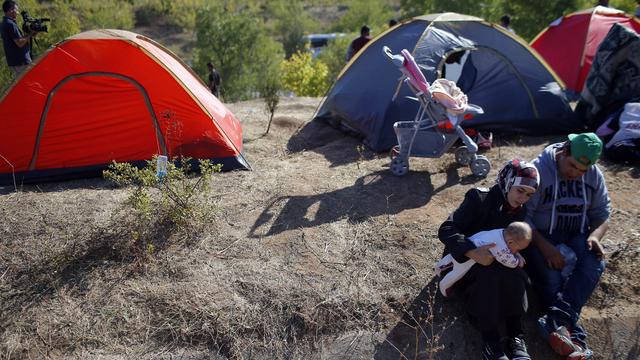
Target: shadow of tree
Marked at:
371, 195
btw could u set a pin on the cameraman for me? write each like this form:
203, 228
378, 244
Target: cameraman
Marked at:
17, 48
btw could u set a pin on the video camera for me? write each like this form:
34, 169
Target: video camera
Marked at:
30, 24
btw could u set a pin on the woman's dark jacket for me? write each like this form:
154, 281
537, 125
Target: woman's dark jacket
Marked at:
481, 209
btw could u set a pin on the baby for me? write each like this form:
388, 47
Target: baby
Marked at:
509, 241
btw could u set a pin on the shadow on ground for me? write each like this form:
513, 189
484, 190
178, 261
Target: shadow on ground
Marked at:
94, 183
338, 147
434, 327
372, 195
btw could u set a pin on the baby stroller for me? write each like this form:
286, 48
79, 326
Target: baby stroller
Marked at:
436, 126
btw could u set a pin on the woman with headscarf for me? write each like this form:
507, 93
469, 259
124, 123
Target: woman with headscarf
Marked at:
493, 294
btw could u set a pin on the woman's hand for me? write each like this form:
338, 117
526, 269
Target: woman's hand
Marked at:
554, 258
481, 255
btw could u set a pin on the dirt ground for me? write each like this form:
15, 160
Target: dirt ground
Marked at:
319, 252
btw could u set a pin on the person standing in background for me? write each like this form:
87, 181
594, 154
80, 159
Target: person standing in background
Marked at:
214, 80
17, 47
505, 22
359, 42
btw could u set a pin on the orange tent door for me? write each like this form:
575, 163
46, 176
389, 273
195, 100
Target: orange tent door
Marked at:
94, 119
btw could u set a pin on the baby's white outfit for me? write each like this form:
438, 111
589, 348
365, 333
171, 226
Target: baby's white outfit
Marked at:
501, 252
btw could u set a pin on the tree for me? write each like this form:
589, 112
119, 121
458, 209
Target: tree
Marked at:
375, 13
238, 46
291, 23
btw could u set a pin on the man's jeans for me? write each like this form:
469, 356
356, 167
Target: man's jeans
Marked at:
566, 298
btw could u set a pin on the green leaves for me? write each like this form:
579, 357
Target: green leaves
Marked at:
304, 76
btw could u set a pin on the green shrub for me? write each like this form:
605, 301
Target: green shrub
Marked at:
304, 76
177, 203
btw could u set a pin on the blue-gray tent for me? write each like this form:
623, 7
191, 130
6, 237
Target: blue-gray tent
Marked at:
517, 90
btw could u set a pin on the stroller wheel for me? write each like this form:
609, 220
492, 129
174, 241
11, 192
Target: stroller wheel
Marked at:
480, 166
399, 166
463, 156
395, 151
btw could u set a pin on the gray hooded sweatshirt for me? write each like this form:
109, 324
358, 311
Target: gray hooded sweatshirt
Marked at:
566, 206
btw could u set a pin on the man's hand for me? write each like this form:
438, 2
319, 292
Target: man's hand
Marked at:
554, 258
594, 245
481, 255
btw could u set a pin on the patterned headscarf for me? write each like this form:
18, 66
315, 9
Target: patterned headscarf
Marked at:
517, 172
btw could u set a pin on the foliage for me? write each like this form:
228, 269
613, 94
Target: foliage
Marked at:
291, 23
334, 56
237, 45
104, 14
373, 13
528, 18
176, 202
304, 76
180, 14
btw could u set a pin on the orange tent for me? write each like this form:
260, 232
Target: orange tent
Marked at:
570, 43
109, 95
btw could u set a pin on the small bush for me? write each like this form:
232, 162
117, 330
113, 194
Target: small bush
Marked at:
304, 76
160, 207
271, 93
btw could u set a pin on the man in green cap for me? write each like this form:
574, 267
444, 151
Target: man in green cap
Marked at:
571, 207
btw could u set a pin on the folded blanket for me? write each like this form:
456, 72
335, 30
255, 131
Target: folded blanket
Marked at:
449, 95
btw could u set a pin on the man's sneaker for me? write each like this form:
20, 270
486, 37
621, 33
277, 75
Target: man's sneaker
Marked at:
493, 351
517, 349
581, 354
558, 336
560, 341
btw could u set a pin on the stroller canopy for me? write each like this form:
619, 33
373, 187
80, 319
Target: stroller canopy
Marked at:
570, 43
109, 95
517, 90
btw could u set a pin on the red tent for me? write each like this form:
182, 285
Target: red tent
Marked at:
108, 95
570, 42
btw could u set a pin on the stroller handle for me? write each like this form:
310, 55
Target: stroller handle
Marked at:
397, 60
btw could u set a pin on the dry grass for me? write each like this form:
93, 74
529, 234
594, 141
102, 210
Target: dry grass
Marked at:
317, 253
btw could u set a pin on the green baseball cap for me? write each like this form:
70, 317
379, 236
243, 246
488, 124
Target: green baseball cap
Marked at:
587, 145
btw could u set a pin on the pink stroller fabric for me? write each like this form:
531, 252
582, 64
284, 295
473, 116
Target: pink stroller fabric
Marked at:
444, 91
411, 70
